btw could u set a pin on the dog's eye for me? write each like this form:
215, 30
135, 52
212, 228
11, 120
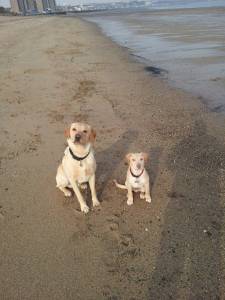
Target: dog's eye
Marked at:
74, 129
141, 158
84, 131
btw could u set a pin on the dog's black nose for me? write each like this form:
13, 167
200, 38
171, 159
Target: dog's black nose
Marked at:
77, 137
138, 166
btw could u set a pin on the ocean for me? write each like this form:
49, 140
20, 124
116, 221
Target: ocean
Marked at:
180, 41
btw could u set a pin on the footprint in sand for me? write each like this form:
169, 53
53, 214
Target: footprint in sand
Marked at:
1, 213
126, 244
55, 116
85, 88
126, 240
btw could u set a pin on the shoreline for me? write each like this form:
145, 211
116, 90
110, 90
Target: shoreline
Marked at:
127, 11
50, 249
194, 79
154, 70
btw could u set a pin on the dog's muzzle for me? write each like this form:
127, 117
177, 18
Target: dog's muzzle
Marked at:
77, 137
138, 166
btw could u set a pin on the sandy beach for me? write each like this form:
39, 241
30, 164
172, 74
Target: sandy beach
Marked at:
55, 70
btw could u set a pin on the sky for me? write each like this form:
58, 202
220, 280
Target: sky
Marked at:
4, 3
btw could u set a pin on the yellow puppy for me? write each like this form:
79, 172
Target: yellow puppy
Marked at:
78, 165
137, 177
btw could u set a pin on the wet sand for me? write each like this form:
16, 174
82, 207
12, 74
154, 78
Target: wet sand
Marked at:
54, 70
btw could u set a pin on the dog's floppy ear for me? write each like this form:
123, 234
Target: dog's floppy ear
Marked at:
67, 132
127, 158
145, 156
92, 136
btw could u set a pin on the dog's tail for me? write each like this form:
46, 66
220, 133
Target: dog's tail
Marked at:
121, 186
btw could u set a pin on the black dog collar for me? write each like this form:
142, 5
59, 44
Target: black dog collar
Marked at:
77, 157
136, 176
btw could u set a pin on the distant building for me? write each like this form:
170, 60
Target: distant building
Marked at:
32, 6
23, 6
15, 6
46, 5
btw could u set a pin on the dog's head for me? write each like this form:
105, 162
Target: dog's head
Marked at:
137, 160
80, 134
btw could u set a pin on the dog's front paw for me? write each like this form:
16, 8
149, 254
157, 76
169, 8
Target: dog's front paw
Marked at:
130, 201
85, 209
95, 202
148, 199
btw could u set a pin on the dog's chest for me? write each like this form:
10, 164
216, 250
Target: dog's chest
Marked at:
84, 171
136, 182
81, 170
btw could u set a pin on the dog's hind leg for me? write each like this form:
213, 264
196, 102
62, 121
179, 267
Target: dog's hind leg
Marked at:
142, 195
62, 182
66, 192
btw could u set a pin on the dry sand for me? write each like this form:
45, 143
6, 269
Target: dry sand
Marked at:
54, 70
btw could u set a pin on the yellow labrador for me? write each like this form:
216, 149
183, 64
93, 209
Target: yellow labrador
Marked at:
78, 164
137, 177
